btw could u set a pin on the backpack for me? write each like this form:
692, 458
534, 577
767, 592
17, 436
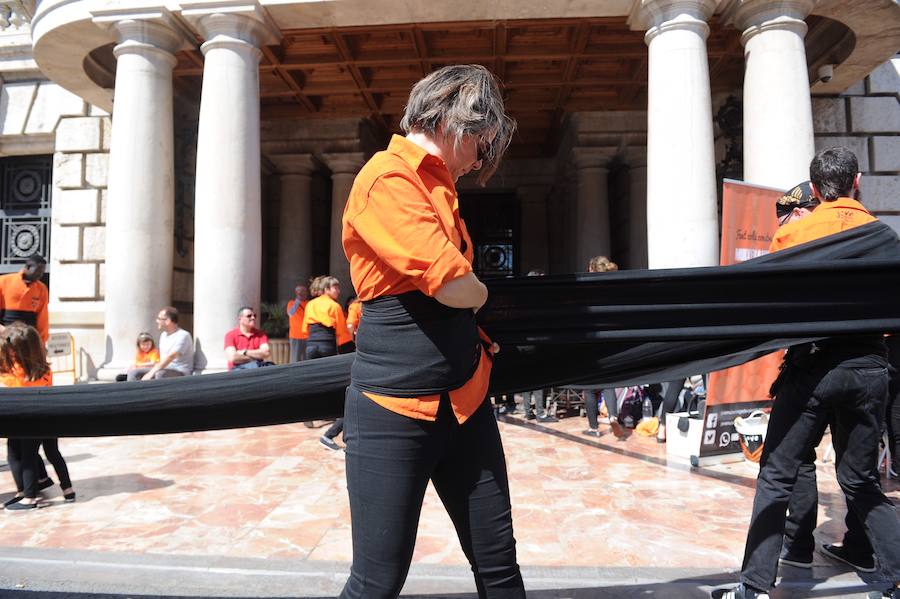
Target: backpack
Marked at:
632, 409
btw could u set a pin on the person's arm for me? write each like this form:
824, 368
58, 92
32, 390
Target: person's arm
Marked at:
43, 318
236, 357
292, 307
341, 333
262, 353
463, 292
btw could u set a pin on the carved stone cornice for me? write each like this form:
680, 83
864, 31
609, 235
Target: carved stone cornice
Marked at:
231, 22
756, 16
16, 14
659, 16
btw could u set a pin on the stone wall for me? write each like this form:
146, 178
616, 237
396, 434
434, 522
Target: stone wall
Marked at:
78, 234
866, 118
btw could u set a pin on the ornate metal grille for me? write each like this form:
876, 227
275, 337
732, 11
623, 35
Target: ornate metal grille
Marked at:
492, 220
25, 201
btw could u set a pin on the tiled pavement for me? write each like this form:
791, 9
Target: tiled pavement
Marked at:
263, 512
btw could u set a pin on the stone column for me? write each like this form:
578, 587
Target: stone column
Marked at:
591, 227
637, 186
141, 192
778, 127
534, 239
682, 221
294, 228
228, 219
344, 168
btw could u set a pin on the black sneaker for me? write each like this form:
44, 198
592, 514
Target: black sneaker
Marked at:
840, 553
329, 443
739, 592
547, 418
888, 594
797, 560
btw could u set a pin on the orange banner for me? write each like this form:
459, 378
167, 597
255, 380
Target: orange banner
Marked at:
748, 223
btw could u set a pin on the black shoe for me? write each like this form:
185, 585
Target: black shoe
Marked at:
12, 500
547, 418
739, 592
13, 507
591, 432
329, 443
797, 560
888, 594
840, 553
69, 497
530, 416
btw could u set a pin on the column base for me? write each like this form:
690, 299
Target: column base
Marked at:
109, 372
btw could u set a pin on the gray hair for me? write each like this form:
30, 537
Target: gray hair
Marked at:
461, 100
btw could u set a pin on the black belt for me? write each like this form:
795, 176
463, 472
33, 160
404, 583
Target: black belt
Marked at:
26, 316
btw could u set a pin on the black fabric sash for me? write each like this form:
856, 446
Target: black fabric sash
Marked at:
410, 345
321, 333
611, 328
11, 316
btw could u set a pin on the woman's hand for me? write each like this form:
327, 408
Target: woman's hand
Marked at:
463, 292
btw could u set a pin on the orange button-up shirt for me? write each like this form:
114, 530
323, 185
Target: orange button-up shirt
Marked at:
827, 219
296, 321
16, 378
403, 232
325, 311
16, 294
354, 313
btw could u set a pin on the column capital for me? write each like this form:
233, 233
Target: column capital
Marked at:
756, 16
145, 27
230, 22
658, 16
591, 158
347, 163
294, 164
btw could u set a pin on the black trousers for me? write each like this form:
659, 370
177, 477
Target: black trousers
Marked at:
592, 407
852, 397
318, 348
390, 459
51, 450
23, 458
893, 408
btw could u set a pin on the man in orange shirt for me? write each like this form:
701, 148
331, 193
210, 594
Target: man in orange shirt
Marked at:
839, 380
295, 308
24, 298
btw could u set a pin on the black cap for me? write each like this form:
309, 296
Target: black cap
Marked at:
800, 196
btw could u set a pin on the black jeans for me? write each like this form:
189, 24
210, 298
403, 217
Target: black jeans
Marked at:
893, 407
23, 458
390, 459
592, 408
852, 397
51, 450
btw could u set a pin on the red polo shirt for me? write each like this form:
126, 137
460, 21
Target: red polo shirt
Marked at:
234, 338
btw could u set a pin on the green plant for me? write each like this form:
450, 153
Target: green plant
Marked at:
274, 320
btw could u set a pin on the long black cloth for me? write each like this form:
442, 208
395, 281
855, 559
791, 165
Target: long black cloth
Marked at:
611, 329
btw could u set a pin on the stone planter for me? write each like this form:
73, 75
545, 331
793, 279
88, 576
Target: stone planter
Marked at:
281, 350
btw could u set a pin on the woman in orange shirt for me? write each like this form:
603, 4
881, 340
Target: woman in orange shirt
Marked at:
415, 410
23, 363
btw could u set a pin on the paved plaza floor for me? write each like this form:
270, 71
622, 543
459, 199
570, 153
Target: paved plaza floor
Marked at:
263, 513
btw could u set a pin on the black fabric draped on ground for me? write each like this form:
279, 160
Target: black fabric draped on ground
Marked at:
580, 329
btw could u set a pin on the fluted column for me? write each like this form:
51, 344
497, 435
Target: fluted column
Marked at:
592, 234
637, 227
294, 228
682, 221
228, 219
778, 127
344, 168
534, 239
140, 206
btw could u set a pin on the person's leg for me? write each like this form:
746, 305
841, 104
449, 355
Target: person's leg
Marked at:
670, 397
302, 351
167, 373
611, 401
14, 459
591, 407
252, 364
135, 374
389, 458
51, 450
471, 480
858, 409
295, 350
803, 509
893, 403
797, 417
335, 429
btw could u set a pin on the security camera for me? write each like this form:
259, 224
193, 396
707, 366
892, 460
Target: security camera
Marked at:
826, 72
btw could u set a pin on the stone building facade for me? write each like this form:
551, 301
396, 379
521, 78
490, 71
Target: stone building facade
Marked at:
218, 176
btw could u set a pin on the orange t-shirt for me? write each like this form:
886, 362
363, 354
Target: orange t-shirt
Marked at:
354, 313
827, 219
403, 232
18, 296
147, 357
16, 378
325, 311
296, 321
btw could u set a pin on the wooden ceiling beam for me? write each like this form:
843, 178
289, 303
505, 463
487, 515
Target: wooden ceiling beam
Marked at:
361, 83
289, 80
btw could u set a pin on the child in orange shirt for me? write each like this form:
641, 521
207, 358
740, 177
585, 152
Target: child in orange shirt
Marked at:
147, 354
23, 363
